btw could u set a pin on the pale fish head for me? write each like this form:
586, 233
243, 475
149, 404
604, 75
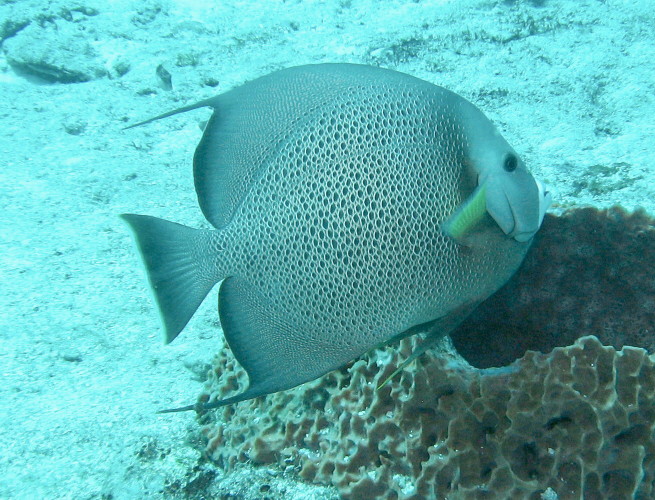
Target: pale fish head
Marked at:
515, 200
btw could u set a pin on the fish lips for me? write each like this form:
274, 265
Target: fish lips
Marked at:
518, 203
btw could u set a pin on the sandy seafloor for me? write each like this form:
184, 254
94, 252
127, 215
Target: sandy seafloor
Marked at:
570, 83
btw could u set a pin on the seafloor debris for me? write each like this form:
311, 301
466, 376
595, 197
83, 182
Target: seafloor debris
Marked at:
59, 53
578, 421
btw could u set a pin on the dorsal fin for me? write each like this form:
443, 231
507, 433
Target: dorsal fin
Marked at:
250, 125
183, 109
252, 122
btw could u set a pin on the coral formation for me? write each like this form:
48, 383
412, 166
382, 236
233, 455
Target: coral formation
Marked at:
579, 421
589, 272
576, 422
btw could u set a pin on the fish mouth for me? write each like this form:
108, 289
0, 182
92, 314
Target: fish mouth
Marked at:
518, 203
545, 199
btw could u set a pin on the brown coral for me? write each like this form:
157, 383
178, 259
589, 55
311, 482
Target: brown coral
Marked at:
578, 421
589, 272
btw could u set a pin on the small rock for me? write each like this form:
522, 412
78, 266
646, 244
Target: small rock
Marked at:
71, 357
121, 67
165, 78
74, 125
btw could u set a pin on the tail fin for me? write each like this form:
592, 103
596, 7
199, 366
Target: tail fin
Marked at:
172, 254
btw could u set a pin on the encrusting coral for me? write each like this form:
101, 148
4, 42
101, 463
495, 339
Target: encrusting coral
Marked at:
578, 421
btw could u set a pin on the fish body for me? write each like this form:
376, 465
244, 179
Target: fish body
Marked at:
332, 188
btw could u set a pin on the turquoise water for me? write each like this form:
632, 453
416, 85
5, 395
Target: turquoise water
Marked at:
569, 84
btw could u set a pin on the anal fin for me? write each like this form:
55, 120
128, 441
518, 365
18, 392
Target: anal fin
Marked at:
274, 353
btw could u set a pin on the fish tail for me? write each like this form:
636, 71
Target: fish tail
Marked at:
176, 258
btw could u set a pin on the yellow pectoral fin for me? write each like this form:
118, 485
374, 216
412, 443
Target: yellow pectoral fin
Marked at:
467, 215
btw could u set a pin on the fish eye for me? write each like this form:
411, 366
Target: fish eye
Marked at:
511, 162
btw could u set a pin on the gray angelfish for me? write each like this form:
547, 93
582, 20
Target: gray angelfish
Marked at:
352, 205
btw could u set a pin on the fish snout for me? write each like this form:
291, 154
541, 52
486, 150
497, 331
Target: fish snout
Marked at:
518, 205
